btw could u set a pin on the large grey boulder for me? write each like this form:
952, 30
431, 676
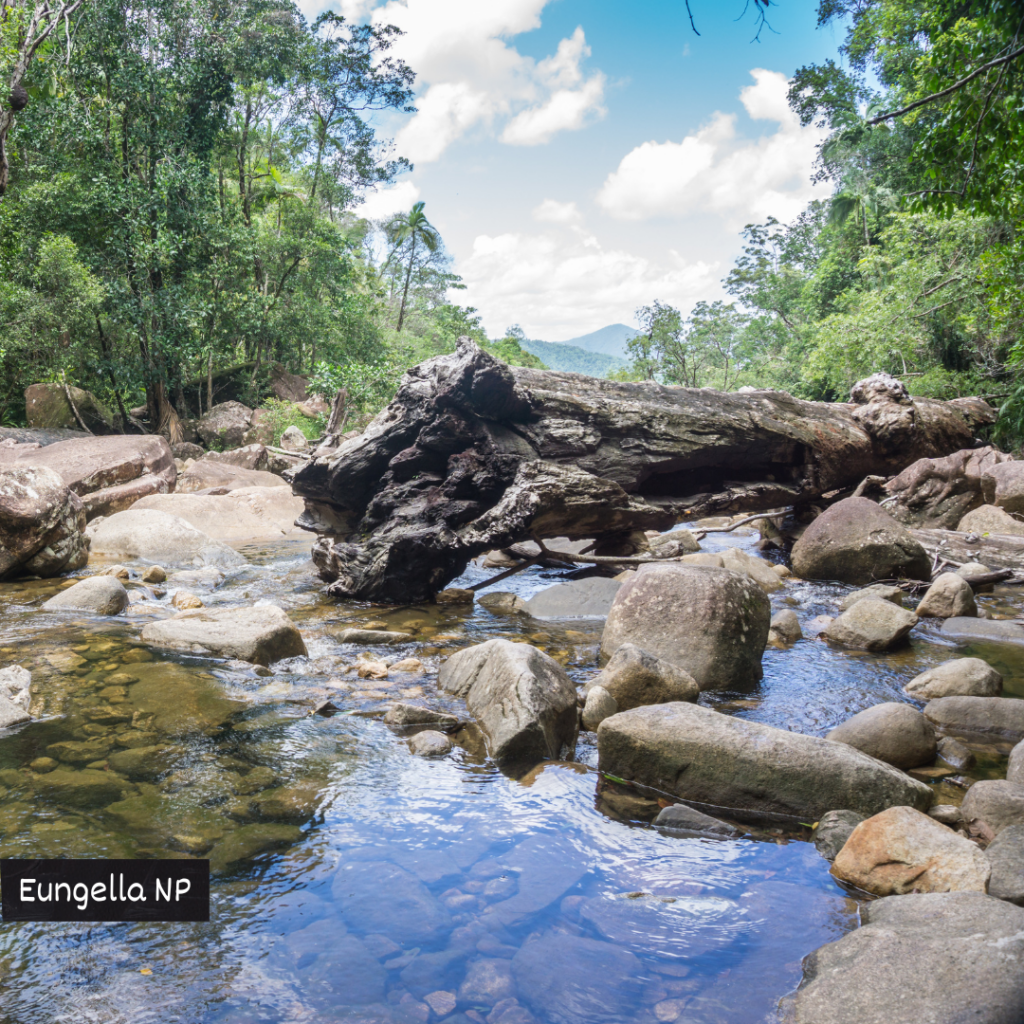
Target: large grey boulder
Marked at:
521, 698
940, 958
902, 850
225, 425
248, 515
46, 405
1015, 768
1006, 859
708, 757
871, 625
711, 622
990, 519
261, 635
832, 831
101, 595
996, 802
959, 677
634, 677
757, 569
155, 536
218, 477
1003, 486
42, 524
587, 598
980, 718
856, 541
895, 733
948, 597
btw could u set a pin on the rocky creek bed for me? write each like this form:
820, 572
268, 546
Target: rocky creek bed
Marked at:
355, 881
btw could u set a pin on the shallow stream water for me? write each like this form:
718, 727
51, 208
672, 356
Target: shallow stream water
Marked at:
355, 882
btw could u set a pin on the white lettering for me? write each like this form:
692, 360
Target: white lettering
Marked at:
160, 894
99, 895
142, 893
24, 895
183, 885
83, 896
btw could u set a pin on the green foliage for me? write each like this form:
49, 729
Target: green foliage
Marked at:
281, 415
370, 386
572, 359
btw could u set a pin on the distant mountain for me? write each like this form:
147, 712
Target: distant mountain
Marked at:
609, 341
572, 359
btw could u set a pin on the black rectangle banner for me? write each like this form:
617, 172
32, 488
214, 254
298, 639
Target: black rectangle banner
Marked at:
105, 890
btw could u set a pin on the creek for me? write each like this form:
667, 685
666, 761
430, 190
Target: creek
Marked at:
355, 882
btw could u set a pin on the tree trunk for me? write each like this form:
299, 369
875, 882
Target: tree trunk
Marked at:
473, 455
405, 291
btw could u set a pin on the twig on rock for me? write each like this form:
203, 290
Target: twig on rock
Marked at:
735, 526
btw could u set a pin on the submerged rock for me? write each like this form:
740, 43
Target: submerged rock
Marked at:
711, 758
831, 833
960, 677
937, 957
955, 753
250, 841
895, 733
995, 802
980, 718
261, 635
1006, 858
713, 623
902, 850
522, 700
100, 595
679, 816
85, 789
430, 743
856, 541
948, 597
871, 625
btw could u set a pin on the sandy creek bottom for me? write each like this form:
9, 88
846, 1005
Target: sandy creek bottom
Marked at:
356, 882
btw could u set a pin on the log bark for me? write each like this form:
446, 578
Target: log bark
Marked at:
473, 455
997, 551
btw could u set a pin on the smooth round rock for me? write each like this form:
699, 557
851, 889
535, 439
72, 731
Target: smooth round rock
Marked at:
959, 677
101, 595
895, 733
430, 744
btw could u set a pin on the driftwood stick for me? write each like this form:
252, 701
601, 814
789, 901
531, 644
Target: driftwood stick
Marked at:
74, 408
749, 519
284, 451
505, 575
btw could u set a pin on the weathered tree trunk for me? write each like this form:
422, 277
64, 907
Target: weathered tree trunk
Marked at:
473, 455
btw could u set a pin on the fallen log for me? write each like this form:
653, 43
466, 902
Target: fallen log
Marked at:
999, 551
473, 455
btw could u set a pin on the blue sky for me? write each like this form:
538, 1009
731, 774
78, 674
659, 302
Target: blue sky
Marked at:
583, 157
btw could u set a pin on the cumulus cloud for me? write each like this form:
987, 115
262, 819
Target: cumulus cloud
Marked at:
551, 211
469, 76
560, 284
388, 201
716, 170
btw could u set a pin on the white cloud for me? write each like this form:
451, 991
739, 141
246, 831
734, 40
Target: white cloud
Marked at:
469, 76
551, 211
715, 170
559, 285
387, 201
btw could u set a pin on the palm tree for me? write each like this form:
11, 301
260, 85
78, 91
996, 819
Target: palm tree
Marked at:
412, 227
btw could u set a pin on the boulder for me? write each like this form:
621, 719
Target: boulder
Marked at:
522, 700
42, 524
948, 597
878, 591
187, 450
902, 850
288, 387
225, 425
935, 494
1015, 767
430, 743
249, 456
222, 477
109, 474
979, 718
100, 595
785, 627
1006, 859
261, 635
46, 405
990, 519
998, 631
856, 541
371, 637
15, 685
683, 818
633, 677
955, 753
248, 515
895, 733
155, 536
760, 571
294, 440
501, 602
707, 757
587, 598
673, 544
1003, 485
411, 715
996, 802
830, 834
599, 705
941, 958
871, 625
711, 622
959, 677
